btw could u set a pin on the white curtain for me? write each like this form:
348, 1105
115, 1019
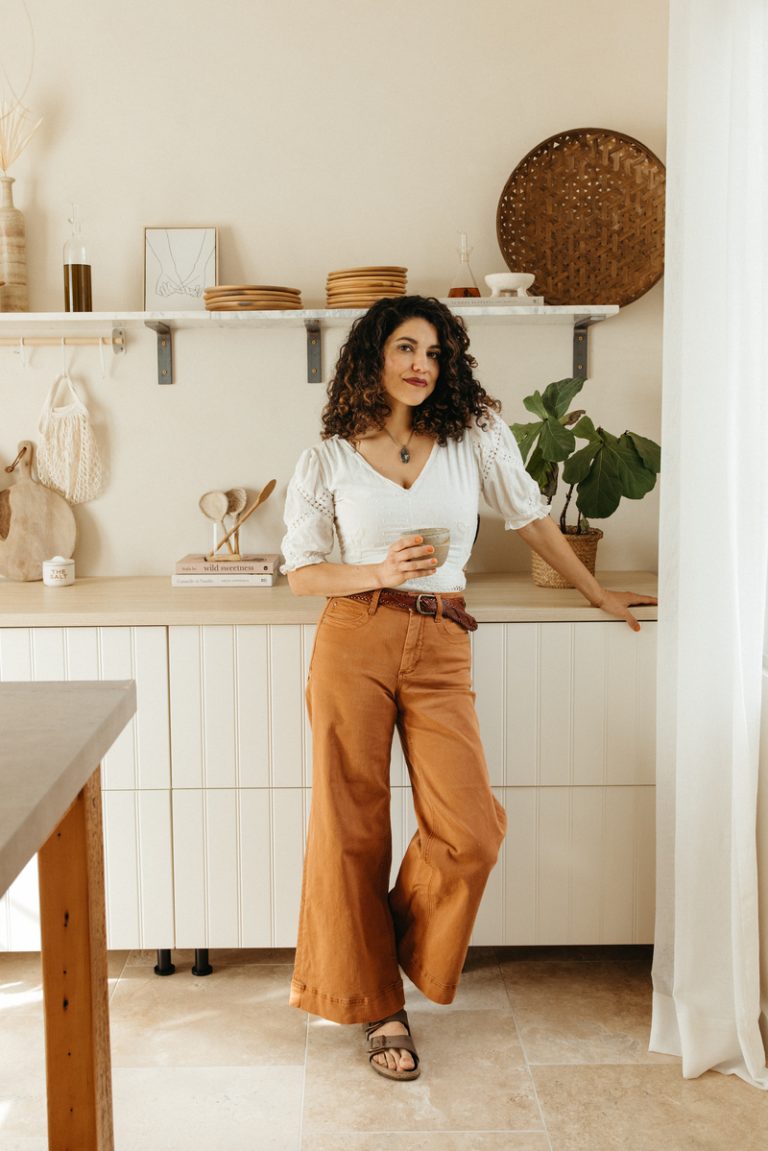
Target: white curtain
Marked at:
714, 543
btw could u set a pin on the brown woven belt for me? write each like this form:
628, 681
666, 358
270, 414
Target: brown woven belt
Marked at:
423, 603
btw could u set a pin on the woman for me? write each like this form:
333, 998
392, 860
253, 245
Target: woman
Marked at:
410, 441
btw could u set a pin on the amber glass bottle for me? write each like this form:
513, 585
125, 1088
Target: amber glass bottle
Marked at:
77, 270
463, 284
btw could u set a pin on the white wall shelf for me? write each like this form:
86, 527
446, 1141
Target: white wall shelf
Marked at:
74, 328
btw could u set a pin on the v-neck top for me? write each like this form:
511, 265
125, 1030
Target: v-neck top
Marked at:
335, 495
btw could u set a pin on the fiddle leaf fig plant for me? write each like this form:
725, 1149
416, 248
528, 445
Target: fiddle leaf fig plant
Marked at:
601, 471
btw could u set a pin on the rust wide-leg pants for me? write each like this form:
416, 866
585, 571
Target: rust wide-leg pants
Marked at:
373, 669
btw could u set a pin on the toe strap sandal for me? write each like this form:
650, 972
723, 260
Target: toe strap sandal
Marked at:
377, 1044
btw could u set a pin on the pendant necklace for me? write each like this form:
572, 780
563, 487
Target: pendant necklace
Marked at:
405, 455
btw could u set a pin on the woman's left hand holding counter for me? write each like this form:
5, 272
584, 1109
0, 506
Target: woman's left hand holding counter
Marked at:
406, 559
548, 541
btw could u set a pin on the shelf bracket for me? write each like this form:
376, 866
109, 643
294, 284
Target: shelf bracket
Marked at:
118, 341
581, 328
314, 352
164, 350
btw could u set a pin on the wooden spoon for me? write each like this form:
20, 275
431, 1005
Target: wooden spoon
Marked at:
264, 494
237, 498
215, 505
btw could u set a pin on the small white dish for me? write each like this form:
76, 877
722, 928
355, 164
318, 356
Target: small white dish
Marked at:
510, 283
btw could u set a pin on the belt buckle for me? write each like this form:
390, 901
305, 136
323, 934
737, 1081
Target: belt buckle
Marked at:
419, 609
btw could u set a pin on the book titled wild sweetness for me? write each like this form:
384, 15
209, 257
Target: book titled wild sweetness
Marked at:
196, 570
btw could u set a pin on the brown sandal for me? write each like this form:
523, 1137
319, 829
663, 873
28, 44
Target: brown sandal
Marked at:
378, 1043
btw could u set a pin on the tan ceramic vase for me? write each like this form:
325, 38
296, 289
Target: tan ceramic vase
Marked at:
13, 252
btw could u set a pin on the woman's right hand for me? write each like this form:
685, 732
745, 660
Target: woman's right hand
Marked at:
407, 558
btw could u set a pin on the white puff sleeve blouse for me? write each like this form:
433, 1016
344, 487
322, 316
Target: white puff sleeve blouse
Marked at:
334, 493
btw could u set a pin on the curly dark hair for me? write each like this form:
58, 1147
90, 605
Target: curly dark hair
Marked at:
356, 399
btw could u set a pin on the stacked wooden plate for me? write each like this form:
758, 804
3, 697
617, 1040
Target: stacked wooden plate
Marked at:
361, 287
251, 298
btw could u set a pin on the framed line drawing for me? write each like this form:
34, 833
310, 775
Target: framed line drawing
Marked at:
179, 264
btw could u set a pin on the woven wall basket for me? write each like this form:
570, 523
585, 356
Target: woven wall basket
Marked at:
585, 547
584, 211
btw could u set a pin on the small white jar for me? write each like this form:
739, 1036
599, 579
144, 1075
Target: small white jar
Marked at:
58, 572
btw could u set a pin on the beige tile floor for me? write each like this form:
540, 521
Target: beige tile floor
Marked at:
543, 1050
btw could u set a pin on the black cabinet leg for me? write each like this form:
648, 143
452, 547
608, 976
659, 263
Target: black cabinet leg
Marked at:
202, 966
164, 965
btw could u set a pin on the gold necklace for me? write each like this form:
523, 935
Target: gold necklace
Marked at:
405, 455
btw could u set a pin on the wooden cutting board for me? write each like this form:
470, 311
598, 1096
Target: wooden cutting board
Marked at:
36, 523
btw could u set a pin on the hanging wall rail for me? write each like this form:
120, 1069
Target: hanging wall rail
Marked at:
116, 341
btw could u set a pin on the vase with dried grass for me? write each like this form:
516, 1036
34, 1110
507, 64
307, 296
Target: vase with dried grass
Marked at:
600, 472
16, 127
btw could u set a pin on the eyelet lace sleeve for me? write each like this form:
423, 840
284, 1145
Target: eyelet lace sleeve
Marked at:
308, 515
505, 484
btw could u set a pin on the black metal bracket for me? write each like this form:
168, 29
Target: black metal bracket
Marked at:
581, 328
164, 350
314, 352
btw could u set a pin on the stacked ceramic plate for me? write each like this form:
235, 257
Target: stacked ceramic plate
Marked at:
361, 287
251, 298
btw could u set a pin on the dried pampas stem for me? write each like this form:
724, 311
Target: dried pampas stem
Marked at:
17, 125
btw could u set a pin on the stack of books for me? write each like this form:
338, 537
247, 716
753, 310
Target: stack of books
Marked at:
247, 571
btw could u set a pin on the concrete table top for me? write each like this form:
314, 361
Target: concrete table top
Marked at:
52, 738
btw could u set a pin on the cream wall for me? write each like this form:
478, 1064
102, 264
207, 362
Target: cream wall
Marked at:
315, 137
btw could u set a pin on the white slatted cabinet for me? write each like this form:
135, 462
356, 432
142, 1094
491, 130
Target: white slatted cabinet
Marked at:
207, 791
241, 773
135, 779
567, 716
566, 713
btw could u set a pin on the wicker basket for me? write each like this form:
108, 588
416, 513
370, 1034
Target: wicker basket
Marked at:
585, 547
584, 211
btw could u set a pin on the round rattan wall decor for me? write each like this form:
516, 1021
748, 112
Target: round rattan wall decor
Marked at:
584, 211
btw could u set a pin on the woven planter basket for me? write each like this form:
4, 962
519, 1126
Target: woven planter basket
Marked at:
585, 547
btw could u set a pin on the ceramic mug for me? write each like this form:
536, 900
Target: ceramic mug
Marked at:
440, 538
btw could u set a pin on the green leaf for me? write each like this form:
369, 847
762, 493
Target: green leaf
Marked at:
544, 472
599, 493
636, 479
585, 430
556, 442
617, 470
558, 395
576, 467
526, 436
648, 450
535, 404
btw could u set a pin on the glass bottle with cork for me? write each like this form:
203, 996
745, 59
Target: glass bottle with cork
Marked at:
463, 284
77, 269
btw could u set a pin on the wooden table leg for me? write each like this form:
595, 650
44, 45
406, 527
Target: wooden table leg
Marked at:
75, 985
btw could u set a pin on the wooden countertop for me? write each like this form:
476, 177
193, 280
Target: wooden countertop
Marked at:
140, 601
54, 736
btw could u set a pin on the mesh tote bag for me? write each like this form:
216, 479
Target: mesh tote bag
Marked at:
68, 457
